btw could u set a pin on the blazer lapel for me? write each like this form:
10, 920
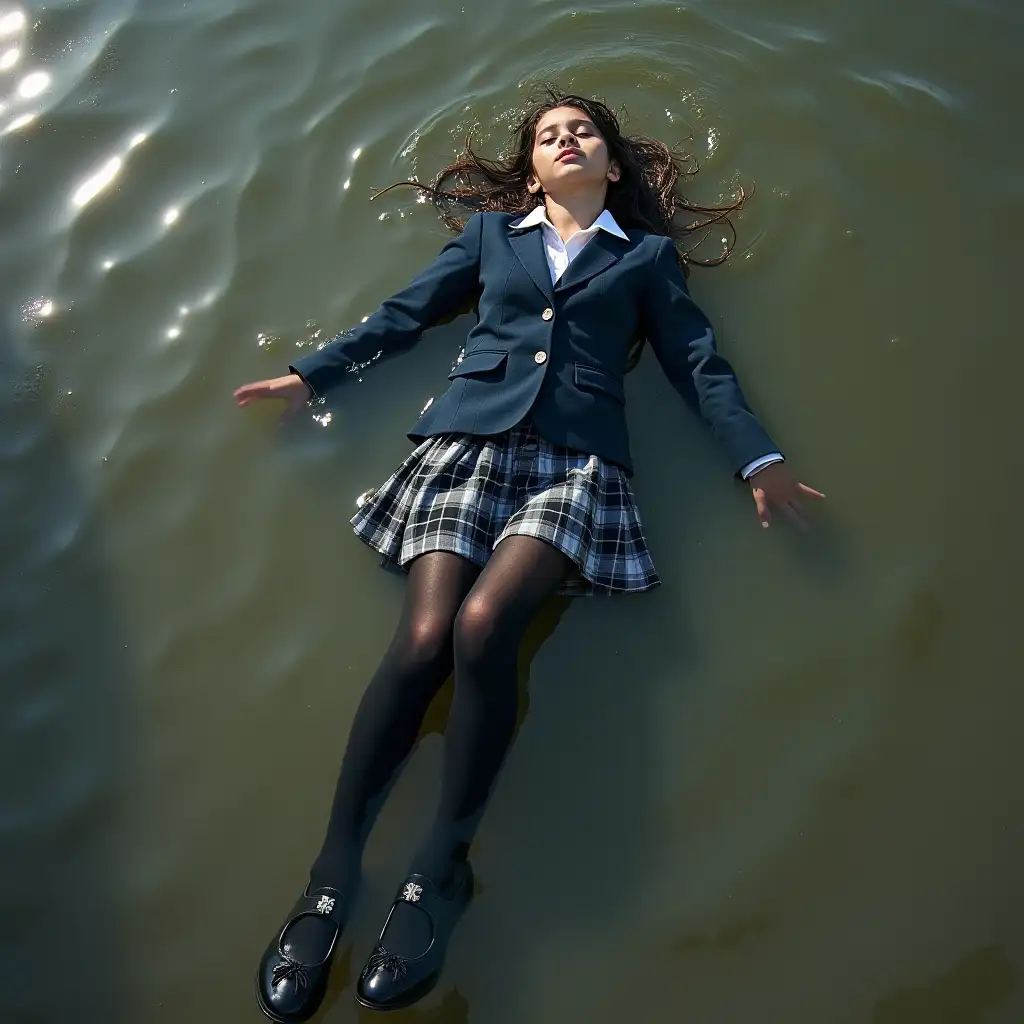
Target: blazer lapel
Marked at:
597, 255
528, 246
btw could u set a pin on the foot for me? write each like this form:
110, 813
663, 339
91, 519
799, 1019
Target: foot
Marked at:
390, 980
292, 976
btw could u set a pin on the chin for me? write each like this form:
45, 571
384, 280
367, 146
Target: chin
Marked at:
577, 181
570, 170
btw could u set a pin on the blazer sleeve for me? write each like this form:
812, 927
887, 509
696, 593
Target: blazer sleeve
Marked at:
450, 282
684, 343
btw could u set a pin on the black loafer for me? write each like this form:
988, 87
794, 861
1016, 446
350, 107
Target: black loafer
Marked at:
391, 982
290, 986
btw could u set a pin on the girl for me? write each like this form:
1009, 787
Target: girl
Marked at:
519, 489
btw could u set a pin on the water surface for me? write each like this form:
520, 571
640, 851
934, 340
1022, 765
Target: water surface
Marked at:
785, 787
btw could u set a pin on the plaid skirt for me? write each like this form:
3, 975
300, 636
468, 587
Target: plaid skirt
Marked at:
466, 494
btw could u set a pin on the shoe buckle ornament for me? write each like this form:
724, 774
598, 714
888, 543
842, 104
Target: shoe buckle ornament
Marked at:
412, 892
325, 905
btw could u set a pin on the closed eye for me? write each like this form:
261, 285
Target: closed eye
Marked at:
583, 131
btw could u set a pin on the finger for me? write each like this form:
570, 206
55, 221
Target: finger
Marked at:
810, 491
250, 392
792, 513
763, 513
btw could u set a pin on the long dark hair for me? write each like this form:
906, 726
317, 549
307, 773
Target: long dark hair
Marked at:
647, 195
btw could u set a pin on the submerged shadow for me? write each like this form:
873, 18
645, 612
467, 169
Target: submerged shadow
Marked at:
63, 681
966, 993
572, 827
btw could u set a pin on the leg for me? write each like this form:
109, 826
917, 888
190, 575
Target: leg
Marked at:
292, 975
521, 575
389, 716
386, 724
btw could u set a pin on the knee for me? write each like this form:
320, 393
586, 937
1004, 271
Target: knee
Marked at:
476, 633
426, 642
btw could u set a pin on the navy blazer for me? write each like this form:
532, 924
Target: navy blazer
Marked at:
553, 353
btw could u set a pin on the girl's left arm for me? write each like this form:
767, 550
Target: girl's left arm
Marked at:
684, 343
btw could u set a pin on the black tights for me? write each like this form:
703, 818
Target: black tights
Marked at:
455, 616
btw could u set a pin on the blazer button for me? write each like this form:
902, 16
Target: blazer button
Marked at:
540, 357
547, 314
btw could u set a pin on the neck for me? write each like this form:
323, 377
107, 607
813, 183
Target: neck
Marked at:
574, 213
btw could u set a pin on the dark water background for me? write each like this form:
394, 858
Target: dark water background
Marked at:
784, 788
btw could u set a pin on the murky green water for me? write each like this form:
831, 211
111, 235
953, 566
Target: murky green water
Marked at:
784, 788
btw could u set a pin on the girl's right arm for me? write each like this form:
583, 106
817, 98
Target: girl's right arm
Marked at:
450, 282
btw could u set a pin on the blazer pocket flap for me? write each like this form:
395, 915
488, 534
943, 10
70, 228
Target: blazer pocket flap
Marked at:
479, 362
593, 379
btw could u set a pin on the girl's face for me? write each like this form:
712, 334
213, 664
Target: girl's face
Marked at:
569, 155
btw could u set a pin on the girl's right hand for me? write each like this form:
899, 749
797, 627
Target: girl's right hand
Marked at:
293, 389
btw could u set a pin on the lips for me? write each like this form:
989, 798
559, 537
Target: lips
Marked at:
569, 153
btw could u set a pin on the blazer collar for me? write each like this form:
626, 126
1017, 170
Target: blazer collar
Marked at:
604, 249
529, 248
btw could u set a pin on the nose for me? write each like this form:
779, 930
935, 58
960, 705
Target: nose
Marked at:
567, 138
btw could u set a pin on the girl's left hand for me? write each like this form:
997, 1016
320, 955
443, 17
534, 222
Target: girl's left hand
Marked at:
776, 486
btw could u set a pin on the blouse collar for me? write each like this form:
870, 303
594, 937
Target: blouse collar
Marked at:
604, 222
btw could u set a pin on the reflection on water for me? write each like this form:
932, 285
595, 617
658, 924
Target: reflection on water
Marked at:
13, 91
783, 788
